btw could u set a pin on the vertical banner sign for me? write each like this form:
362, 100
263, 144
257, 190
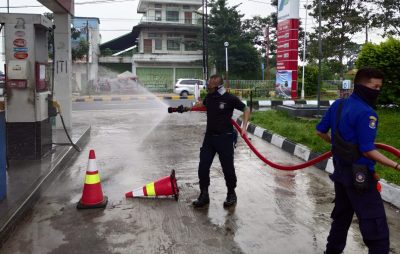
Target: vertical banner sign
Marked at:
287, 47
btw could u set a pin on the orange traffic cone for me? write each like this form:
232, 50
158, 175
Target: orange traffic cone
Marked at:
92, 196
165, 186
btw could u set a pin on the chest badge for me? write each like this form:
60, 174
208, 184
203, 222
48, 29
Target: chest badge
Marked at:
360, 177
222, 105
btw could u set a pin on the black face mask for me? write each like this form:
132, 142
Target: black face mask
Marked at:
367, 94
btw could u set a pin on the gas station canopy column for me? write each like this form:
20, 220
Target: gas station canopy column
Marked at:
62, 9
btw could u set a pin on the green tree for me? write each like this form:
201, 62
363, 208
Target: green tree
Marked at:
310, 79
340, 21
77, 53
253, 31
387, 16
385, 56
328, 70
225, 26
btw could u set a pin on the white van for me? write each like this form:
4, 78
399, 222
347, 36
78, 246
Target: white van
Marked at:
185, 86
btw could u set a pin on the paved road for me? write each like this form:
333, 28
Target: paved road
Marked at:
128, 105
277, 212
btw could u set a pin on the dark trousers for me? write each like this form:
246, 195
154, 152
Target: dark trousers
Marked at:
223, 145
371, 215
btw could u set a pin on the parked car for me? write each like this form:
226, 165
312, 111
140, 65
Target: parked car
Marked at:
185, 86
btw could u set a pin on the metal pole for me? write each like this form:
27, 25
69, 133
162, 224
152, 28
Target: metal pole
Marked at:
204, 46
251, 101
267, 54
319, 57
226, 59
226, 44
206, 39
304, 52
8, 6
87, 55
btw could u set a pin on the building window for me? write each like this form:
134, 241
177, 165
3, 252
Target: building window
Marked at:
191, 46
154, 35
188, 17
190, 36
173, 35
173, 44
158, 6
186, 7
158, 44
173, 16
158, 16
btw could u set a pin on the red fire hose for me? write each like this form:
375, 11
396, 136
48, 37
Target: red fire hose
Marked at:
322, 157
278, 166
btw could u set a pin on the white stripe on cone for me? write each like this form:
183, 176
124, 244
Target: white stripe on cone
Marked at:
135, 193
92, 167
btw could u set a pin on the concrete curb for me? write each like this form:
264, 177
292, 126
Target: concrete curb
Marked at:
273, 103
129, 98
24, 205
390, 192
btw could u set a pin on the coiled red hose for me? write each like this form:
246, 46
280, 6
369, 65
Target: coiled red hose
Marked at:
320, 158
278, 166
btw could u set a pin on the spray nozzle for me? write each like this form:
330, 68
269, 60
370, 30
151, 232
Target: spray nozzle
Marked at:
179, 109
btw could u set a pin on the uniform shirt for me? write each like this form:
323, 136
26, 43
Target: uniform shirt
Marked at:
220, 106
358, 124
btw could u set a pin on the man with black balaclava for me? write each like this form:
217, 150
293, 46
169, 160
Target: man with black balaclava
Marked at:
219, 138
353, 124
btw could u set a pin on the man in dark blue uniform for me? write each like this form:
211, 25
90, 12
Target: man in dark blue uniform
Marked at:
353, 124
219, 138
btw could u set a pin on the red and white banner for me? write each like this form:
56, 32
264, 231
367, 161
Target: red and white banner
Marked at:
288, 42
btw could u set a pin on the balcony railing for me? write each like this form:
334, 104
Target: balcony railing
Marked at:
163, 20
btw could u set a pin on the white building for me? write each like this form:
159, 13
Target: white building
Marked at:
169, 42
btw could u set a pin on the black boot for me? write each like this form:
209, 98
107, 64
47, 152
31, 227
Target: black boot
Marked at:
231, 199
202, 200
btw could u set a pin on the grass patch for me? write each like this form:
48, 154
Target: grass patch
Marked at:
302, 131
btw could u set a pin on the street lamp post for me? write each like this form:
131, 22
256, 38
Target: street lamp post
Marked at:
266, 42
319, 57
226, 44
304, 52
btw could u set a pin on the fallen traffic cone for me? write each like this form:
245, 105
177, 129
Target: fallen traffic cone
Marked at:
92, 196
165, 186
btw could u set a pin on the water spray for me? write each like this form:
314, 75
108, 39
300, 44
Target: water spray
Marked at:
306, 164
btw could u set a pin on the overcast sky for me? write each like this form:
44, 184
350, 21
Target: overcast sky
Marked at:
118, 17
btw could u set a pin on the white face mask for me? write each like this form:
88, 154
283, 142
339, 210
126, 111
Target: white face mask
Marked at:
221, 90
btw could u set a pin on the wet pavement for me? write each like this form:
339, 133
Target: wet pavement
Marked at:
27, 179
277, 212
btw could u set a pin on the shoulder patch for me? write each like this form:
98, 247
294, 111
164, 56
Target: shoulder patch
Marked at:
372, 122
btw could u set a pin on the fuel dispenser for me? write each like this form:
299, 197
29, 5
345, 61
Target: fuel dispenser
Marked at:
28, 126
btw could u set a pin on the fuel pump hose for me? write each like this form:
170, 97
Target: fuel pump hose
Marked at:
320, 158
